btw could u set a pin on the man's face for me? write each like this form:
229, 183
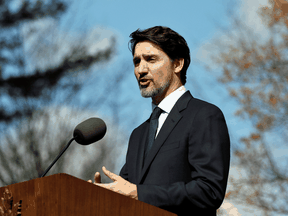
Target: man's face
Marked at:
153, 69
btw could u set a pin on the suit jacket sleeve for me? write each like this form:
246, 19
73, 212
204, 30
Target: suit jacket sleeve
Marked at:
208, 155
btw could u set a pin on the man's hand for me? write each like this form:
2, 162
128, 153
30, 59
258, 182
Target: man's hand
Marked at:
119, 185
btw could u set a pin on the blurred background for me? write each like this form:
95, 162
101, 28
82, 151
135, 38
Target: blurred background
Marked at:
63, 61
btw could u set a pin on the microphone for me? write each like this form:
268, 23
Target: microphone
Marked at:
89, 131
85, 133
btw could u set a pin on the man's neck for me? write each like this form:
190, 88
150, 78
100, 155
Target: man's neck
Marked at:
158, 98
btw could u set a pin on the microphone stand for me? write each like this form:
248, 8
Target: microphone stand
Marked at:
58, 156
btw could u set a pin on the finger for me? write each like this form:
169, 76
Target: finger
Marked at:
90, 181
97, 177
109, 174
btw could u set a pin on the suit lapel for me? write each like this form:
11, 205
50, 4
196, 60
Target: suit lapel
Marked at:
141, 149
171, 121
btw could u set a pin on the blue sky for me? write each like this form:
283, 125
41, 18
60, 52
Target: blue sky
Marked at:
194, 19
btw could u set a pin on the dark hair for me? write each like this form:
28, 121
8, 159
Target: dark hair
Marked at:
173, 44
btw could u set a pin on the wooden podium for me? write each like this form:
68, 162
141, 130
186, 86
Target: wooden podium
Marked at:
62, 194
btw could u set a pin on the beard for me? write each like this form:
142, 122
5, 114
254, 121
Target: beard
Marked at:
153, 91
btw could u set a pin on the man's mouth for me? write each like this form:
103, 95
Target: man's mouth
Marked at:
144, 82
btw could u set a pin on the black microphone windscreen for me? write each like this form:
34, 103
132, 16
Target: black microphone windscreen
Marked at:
89, 131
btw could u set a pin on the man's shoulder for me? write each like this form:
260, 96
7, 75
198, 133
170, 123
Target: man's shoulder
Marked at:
142, 125
196, 103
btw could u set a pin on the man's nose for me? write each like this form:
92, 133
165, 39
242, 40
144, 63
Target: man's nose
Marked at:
143, 68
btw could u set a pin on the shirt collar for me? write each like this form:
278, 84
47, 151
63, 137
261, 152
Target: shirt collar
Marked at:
168, 102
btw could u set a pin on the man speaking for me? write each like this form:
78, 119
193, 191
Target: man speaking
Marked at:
179, 158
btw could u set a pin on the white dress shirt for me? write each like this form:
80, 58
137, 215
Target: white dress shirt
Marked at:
167, 104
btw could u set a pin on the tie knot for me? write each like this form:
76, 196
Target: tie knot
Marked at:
156, 113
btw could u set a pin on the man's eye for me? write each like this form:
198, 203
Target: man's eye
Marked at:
136, 62
151, 59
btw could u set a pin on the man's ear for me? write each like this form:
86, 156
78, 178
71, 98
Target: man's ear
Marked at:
178, 65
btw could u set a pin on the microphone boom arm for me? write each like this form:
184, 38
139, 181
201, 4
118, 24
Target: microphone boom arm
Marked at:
58, 156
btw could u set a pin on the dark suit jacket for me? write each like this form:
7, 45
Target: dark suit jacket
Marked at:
187, 168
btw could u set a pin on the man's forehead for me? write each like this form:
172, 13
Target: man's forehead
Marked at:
146, 47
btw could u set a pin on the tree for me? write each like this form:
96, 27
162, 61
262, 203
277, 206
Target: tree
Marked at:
40, 68
22, 87
255, 71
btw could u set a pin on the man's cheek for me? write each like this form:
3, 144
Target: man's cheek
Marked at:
160, 77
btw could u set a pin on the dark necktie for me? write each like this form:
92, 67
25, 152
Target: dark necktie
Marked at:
152, 129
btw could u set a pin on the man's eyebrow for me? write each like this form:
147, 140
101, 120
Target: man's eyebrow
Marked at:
145, 56
149, 55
